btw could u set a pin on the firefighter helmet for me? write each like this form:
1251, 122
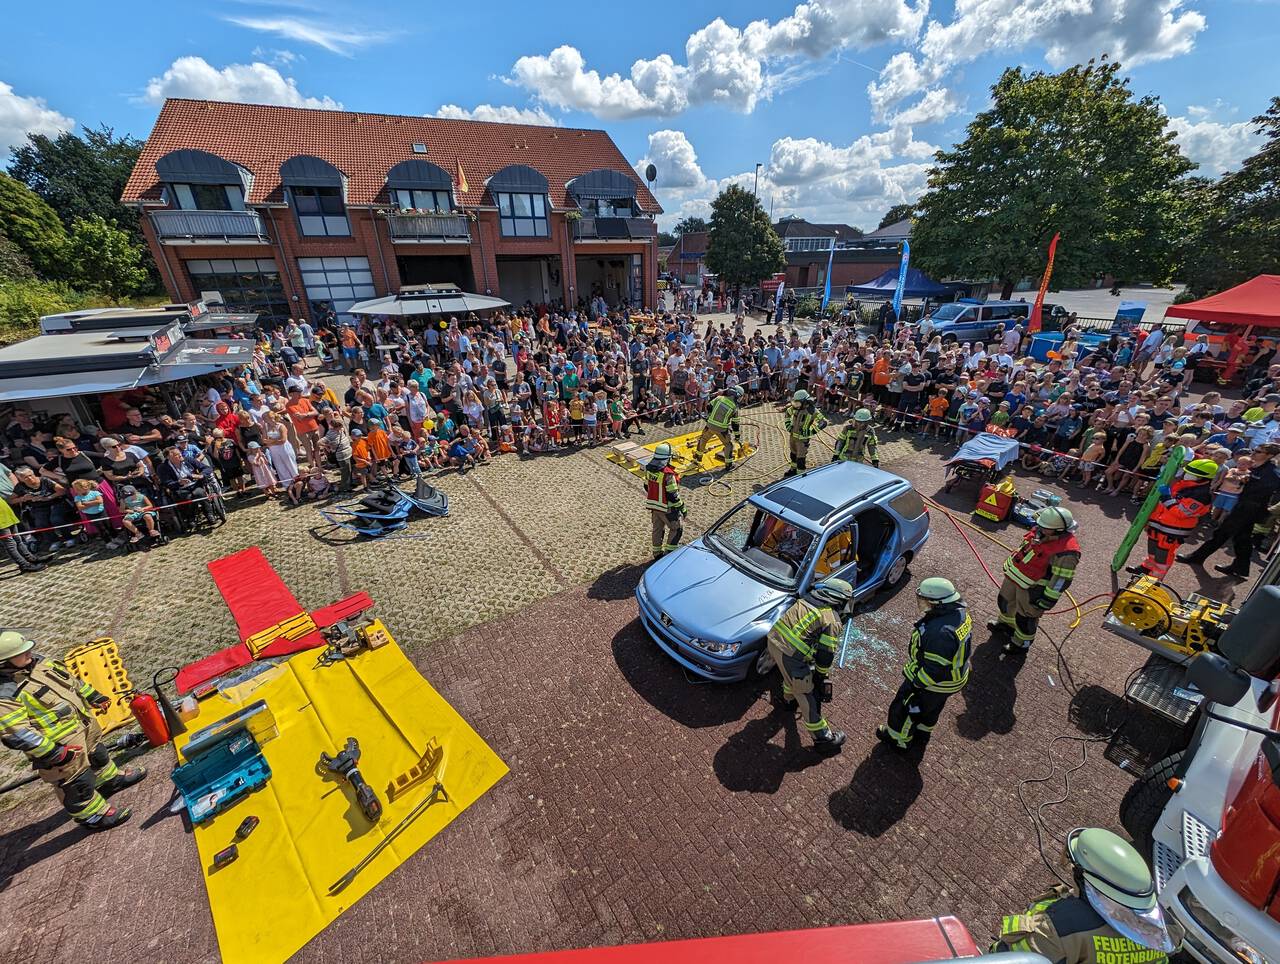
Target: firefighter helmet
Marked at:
13, 644
801, 396
737, 391
1054, 518
836, 592
862, 415
662, 454
1202, 468
1117, 884
935, 589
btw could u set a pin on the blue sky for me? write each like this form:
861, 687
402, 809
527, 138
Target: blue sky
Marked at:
841, 101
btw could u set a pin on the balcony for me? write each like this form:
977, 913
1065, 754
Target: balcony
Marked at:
209, 227
428, 228
613, 229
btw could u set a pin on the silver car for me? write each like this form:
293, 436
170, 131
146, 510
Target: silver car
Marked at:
711, 603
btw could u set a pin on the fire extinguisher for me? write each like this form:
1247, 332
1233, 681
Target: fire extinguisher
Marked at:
147, 713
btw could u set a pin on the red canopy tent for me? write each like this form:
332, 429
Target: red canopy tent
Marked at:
1256, 302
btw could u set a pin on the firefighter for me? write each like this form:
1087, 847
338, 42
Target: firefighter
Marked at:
858, 441
46, 713
1111, 914
803, 421
662, 497
1179, 511
803, 644
1036, 574
722, 422
937, 664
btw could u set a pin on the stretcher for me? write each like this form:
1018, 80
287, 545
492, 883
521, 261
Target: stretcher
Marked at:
279, 891
98, 663
981, 459
271, 621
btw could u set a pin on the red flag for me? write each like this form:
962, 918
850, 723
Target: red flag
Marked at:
1033, 323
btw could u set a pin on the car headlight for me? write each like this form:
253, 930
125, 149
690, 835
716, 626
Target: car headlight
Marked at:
1236, 945
715, 648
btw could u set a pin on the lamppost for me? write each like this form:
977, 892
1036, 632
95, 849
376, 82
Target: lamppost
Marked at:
756, 184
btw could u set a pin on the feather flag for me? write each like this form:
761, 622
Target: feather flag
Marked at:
462, 178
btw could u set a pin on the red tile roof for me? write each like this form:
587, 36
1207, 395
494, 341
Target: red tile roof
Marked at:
365, 146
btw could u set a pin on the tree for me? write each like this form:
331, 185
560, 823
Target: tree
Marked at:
1238, 234
14, 264
899, 212
1073, 153
666, 238
32, 227
690, 224
742, 248
102, 256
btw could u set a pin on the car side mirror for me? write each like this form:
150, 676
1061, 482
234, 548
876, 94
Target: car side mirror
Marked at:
1217, 679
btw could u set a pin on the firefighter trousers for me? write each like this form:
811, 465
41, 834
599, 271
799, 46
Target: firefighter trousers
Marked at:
722, 434
799, 453
1018, 613
1162, 548
76, 782
798, 684
667, 530
914, 709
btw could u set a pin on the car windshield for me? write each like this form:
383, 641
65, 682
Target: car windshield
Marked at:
762, 544
947, 312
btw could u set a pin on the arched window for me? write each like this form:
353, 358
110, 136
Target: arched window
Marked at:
317, 193
521, 195
604, 193
421, 186
200, 181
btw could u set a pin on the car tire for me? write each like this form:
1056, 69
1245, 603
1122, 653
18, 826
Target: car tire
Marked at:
897, 571
762, 665
1143, 803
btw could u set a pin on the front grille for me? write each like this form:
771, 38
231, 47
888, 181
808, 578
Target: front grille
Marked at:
1196, 836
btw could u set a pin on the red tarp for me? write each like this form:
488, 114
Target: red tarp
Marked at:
1256, 302
901, 942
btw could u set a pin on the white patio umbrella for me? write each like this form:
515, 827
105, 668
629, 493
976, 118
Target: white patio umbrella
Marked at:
428, 302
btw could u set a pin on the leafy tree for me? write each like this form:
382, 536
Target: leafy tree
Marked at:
666, 238
899, 212
102, 256
742, 248
14, 265
1072, 152
1238, 231
690, 224
32, 227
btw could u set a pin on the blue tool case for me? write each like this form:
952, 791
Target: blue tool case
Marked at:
223, 773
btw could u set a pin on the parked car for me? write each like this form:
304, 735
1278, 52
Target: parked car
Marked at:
710, 604
974, 321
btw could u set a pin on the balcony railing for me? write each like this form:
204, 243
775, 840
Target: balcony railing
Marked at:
613, 229
208, 226
428, 227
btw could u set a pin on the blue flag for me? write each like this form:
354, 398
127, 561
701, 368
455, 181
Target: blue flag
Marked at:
902, 279
826, 294
777, 304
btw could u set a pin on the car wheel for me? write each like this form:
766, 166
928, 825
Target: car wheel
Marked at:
897, 572
1142, 805
763, 665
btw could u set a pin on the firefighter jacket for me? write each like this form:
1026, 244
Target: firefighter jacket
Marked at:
938, 658
811, 632
1064, 929
662, 489
1188, 501
41, 706
1049, 565
857, 444
723, 415
803, 423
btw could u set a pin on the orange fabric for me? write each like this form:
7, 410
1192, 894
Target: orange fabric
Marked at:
1033, 558
360, 452
379, 443
303, 414
880, 372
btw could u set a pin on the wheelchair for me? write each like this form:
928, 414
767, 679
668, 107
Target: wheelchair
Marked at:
186, 518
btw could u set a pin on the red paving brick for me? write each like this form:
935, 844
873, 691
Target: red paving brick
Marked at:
642, 805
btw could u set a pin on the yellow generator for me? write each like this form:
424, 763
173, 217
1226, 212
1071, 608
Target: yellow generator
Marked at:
1156, 612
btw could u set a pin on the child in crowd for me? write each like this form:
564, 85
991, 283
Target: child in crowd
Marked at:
432, 454
936, 409
138, 510
264, 474
588, 408
361, 458
379, 449
405, 451
1061, 465
1228, 484
576, 417
1090, 458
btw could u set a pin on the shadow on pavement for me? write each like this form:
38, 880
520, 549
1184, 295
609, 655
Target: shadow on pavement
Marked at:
882, 790
19, 850
1135, 738
617, 583
991, 692
752, 763
664, 685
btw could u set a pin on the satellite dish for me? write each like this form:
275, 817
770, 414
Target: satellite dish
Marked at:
650, 173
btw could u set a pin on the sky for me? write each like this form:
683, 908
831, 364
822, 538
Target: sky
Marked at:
841, 103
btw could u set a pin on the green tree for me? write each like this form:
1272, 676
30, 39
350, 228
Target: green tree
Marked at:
690, 224
1237, 234
32, 227
14, 264
666, 238
1073, 152
899, 212
742, 247
102, 256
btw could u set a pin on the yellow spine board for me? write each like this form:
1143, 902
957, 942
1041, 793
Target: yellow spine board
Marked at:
98, 663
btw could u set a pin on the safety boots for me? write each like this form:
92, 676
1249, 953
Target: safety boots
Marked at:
828, 741
126, 777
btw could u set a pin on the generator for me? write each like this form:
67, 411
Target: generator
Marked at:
1161, 617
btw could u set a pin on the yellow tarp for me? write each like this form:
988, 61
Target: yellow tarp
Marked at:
683, 450
275, 897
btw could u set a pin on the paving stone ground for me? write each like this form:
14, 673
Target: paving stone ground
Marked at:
640, 804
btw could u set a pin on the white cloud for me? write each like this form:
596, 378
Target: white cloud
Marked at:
275, 55
335, 39
255, 83
1068, 31
20, 116
504, 114
936, 105
723, 64
1215, 146
674, 157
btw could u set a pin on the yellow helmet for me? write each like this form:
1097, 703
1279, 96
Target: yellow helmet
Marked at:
1201, 468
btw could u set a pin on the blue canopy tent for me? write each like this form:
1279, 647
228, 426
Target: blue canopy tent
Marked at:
918, 285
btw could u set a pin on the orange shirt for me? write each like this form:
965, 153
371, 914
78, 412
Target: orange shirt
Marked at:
360, 452
938, 406
660, 375
379, 443
880, 372
303, 414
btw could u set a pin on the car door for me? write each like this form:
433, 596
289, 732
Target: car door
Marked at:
837, 558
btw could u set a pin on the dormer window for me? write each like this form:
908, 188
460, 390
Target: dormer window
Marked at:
520, 193
207, 197
200, 181
317, 192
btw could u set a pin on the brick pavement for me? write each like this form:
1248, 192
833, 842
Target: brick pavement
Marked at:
640, 804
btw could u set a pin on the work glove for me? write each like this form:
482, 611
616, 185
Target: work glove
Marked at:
673, 514
876, 463
100, 701
822, 689
1165, 491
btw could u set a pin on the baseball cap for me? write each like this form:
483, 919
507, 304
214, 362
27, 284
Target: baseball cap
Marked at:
1233, 427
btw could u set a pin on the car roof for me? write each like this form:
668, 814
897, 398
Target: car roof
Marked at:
812, 498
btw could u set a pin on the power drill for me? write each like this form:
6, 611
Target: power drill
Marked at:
346, 765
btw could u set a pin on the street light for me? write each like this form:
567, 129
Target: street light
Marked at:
756, 184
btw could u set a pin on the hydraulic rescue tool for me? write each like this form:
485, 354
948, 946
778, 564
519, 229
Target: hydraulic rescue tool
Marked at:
346, 765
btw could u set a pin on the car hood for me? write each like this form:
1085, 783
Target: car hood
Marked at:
707, 597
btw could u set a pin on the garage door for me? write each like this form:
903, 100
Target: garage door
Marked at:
335, 284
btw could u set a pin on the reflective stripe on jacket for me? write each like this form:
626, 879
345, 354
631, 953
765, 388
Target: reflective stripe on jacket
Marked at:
1189, 500
803, 424
811, 632
723, 413
938, 657
853, 445
1050, 564
662, 489
41, 707
1064, 929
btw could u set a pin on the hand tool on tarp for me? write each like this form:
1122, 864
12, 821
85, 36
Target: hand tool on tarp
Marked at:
437, 793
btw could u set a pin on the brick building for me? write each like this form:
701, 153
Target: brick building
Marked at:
858, 258
290, 212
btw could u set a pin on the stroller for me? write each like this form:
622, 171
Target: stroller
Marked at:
387, 509
981, 459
